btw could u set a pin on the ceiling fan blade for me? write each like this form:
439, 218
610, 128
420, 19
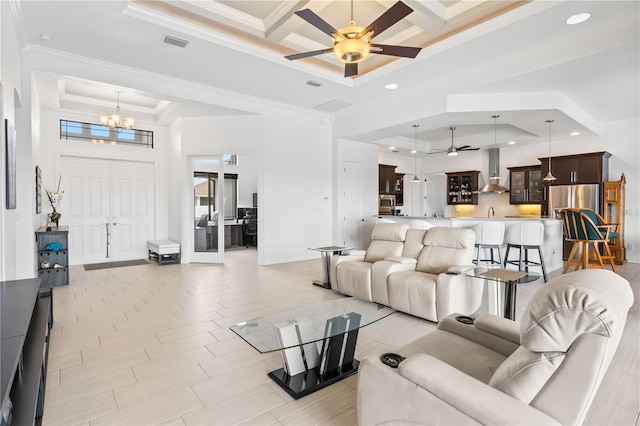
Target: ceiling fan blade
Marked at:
467, 148
403, 51
387, 19
309, 16
350, 69
307, 54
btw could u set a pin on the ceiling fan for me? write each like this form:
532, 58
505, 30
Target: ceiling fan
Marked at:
352, 43
453, 150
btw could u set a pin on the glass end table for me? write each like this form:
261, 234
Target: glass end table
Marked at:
317, 341
511, 280
326, 253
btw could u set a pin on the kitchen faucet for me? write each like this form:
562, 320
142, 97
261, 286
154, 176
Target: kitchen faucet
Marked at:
491, 212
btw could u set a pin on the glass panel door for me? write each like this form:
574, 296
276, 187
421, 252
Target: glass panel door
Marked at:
208, 209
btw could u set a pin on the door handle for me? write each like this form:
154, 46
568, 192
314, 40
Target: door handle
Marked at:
362, 220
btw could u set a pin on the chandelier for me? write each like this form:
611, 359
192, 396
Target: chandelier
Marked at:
115, 121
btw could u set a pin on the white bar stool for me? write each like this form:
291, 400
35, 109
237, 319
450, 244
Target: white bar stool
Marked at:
525, 236
490, 236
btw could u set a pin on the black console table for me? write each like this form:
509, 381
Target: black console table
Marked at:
27, 317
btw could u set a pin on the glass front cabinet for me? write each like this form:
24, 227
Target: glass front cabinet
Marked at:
525, 185
462, 187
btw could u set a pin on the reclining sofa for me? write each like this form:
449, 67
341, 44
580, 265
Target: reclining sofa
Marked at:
416, 271
491, 370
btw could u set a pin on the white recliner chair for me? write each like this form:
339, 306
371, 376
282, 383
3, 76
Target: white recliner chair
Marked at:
544, 370
351, 274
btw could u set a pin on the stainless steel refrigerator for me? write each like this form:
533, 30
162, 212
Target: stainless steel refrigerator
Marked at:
573, 196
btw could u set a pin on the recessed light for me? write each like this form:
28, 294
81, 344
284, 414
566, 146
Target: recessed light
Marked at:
391, 86
392, 148
413, 151
511, 143
578, 18
575, 133
46, 37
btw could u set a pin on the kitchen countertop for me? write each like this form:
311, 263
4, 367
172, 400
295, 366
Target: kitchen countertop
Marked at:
425, 218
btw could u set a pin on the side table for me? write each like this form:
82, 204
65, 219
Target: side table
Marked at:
326, 253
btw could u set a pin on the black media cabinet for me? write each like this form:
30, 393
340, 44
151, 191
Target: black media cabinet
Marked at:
27, 317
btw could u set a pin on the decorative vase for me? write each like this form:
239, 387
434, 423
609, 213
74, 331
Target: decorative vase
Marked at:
55, 218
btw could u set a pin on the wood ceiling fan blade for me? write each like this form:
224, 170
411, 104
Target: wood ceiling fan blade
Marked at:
387, 19
308, 54
402, 51
310, 16
350, 69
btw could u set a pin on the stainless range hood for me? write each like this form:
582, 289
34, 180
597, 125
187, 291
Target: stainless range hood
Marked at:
493, 187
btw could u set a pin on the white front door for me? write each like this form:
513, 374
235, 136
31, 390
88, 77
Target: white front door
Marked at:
352, 217
132, 212
109, 208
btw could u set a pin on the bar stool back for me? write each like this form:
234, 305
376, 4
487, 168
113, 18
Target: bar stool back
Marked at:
525, 236
489, 236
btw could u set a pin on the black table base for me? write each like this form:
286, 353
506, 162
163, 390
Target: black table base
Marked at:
311, 381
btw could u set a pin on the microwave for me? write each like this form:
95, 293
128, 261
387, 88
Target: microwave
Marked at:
386, 204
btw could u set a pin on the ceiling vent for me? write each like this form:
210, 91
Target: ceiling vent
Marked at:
175, 41
333, 105
314, 83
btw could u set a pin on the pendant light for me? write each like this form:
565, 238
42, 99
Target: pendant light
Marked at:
549, 177
415, 154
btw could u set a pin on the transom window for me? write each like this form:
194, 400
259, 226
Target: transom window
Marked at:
99, 134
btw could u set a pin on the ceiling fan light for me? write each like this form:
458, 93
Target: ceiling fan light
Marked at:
452, 153
351, 50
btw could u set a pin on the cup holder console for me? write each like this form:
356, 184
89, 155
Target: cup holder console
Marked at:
391, 359
465, 319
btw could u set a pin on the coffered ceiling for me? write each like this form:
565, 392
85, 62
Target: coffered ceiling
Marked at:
515, 58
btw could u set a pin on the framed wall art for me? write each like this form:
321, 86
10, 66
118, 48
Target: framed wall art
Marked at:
38, 190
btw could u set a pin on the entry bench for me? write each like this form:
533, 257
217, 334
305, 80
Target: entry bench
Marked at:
165, 251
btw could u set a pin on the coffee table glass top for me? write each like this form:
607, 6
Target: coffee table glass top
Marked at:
502, 275
316, 320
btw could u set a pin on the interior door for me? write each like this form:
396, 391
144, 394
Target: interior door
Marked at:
208, 209
109, 208
353, 218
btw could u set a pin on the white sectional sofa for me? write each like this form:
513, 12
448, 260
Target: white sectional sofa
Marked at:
416, 271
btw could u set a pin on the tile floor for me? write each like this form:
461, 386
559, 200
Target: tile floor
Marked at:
146, 345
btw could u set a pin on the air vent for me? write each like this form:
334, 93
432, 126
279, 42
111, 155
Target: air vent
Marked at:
332, 106
314, 83
174, 41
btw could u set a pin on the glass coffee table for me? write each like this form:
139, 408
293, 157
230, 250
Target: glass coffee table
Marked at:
317, 341
511, 280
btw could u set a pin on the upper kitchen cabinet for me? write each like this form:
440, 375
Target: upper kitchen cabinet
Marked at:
525, 185
462, 187
577, 169
386, 179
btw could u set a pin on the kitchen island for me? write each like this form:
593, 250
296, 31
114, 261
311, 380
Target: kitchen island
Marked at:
552, 241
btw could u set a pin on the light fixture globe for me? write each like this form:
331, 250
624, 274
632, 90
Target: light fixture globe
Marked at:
452, 152
350, 49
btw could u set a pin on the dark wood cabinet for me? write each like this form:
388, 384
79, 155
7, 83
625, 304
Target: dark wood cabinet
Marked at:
390, 182
53, 264
398, 189
577, 169
386, 179
525, 185
462, 187
588, 168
